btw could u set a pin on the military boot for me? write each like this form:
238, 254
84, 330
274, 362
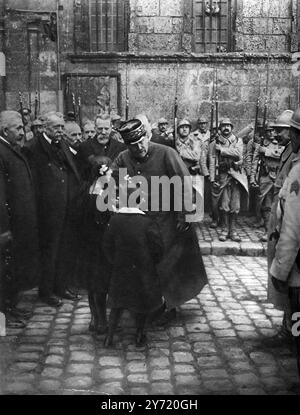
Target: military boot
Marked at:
232, 228
225, 227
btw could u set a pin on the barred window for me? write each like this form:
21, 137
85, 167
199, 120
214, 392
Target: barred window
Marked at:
101, 25
213, 25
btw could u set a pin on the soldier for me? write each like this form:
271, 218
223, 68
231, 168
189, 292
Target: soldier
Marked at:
189, 148
161, 134
203, 136
254, 141
264, 169
227, 177
284, 271
26, 117
37, 127
280, 301
181, 272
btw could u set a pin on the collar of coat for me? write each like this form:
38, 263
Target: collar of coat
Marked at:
230, 140
296, 159
44, 141
131, 210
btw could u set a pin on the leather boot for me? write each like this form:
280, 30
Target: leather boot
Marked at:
225, 227
232, 228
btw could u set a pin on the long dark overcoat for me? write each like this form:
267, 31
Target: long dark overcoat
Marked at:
134, 283
18, 214
178, 283
56, 185
93, 267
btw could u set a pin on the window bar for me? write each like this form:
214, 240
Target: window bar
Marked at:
106, 24
211, 26
229, 33
97, 24
204, 28
117, 19
90, 26
219, 28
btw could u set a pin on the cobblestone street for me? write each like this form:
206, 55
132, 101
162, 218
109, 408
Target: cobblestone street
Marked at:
215, 346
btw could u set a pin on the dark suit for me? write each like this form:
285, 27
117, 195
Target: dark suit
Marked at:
19, 216
92, 147
57, 182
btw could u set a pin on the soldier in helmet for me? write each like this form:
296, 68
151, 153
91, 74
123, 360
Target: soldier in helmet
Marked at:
254, 141
161, 134
285, 267
280, 301
264, 169
189, 149
26, 117
227, 177
37, 127
203, 136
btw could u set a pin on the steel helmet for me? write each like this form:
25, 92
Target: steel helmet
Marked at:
184, 122
202, 120
283, 120
295, 120
226, 121
162, 121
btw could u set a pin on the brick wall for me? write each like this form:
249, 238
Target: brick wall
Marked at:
160, 57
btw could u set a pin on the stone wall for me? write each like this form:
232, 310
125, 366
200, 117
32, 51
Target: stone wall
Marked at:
160, 63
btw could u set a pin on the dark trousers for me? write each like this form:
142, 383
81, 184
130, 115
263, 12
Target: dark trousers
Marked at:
294, 296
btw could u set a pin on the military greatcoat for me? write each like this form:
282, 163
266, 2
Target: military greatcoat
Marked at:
181, 271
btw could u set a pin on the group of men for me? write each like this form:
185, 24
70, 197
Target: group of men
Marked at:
39, 179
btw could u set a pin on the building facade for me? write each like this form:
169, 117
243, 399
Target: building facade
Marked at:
140, 55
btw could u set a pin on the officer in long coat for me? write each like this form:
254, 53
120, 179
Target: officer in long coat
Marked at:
57, 182
227, 177
282, 129
18, 215
181, 271
285, 268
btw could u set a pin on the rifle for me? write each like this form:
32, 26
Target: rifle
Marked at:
127, 108
257, 173
217, 124
79, 112
175, 121
74, 105
22, 114
36, 105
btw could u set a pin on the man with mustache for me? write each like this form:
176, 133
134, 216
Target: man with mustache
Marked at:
229, 179
56, 183
102, 144
161, 134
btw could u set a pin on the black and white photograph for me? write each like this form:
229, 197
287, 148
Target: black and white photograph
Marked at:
149, 200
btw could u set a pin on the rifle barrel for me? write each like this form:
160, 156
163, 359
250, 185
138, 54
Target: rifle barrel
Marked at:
22, 113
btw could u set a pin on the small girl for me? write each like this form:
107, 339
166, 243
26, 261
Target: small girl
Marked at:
94, 268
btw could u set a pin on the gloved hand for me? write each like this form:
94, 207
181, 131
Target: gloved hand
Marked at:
280, 286
182, 225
